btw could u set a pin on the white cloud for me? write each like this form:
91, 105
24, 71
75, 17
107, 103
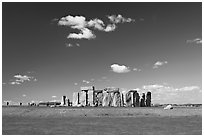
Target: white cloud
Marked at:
75, 84
84, 34
159, 63
155, 86
97, 24
136, 69
19, 79
54, 96
77, 22
165, 93
190, 88
119, 19
196, 41
80, 23
15, 83
110, 27
68, 45
119, 68
86, 81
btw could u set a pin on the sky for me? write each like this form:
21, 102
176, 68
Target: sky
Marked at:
52, 49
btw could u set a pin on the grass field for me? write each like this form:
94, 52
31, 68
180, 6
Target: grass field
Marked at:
100, 121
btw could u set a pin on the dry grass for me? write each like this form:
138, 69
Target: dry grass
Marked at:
43, 120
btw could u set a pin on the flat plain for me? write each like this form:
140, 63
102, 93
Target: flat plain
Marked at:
101, 121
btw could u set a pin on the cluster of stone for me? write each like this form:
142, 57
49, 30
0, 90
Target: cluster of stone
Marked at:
110, 97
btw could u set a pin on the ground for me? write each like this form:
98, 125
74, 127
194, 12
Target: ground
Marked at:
100, 121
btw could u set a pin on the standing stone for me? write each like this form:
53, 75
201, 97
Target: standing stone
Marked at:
98, 97
137, 99
122, 99
63, 100
142, 103
82, 98
90, 97
148, 99
116, 100
128, 99
75, 100
105, 99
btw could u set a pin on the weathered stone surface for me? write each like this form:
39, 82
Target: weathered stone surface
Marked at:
148, 99
90, 98
87, 88
105, 99
142, 103
117, 100
75, 99
122, 99
137, 100
128, 99
82, 98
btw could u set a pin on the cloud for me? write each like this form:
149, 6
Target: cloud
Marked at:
80, 23
22, 78
77, 22
54, 96
75, 84
196, 41
119, 68
96, 24
15, 83
86, 81
159, 63
190, 88
169, 94
110, 27
19, 79
119, 19
84, 34
164, 88
136, 69
68, 45
24, 95
155, 86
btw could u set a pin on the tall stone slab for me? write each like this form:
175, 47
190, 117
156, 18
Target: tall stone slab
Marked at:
142, 103
90, 98
148, 99
117, 100
128, 99
75, 99
105, 102
82, 98
137, 99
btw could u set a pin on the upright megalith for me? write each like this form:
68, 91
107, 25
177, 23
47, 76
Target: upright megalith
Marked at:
82, 98
128, 99
87, 95
148, 99
137, 100
142, 102
63, 100
133, 97
98, 97
75, 100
